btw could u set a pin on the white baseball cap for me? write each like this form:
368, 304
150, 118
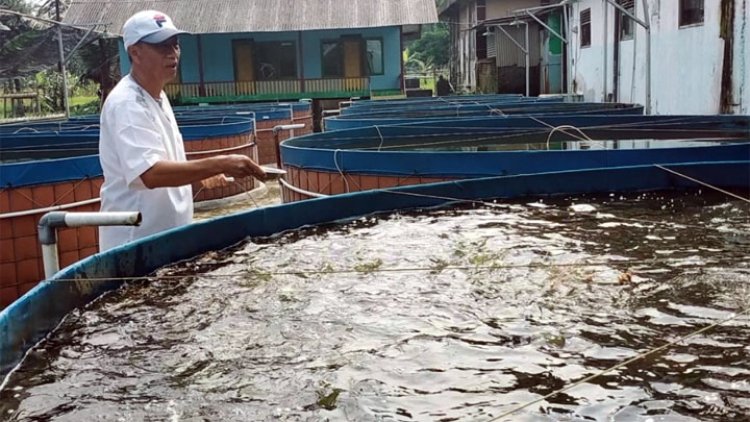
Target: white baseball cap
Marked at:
148, 26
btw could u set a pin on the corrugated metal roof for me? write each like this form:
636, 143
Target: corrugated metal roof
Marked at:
217, 16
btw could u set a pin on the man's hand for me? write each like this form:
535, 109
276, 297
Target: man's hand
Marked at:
218, 181
178, 173
237, 165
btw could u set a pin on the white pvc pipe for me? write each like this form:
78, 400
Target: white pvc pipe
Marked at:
569, 50
288, 127
604, 65
50, 259
647, 17
527, 58
276, 130
50, 222
115, 218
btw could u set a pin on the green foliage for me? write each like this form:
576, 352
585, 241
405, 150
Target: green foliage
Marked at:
47, 84
440, 3
20, 40
93, 68
23, 6
98, 62
81, 106
429, 51
48, 8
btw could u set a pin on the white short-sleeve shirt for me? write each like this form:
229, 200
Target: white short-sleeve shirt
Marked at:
136, 132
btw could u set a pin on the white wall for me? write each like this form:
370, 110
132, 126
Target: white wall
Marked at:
587, 63
741, 71
686, 63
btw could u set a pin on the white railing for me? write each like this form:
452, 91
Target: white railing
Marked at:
278, 87
337, 85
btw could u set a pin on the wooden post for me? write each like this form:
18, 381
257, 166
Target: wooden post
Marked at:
201, 86
278, 148
301, 61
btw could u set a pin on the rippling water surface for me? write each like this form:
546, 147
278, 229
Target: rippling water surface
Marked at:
494, 307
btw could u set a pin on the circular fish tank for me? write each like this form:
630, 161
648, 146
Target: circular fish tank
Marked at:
387, 156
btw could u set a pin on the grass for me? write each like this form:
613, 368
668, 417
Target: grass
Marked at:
84, 105
77, 101
427, 83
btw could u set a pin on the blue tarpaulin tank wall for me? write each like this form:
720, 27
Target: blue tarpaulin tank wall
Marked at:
440, 106
392, 117
72, 138
445, 99
457, 110
40, 310
267, 117
80, 134
52, 166
367, 106
385, 156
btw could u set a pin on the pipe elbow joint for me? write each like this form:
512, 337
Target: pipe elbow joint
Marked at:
47, 227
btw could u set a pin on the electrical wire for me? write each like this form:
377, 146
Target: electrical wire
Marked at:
539, 265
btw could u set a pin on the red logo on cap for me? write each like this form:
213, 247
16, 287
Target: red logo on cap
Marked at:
160, 19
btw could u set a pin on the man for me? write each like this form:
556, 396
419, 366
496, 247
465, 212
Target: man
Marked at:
140, 146
443, 87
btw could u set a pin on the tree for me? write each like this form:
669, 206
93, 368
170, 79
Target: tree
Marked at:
22, 6
430, 50
440, 3
99, 62
29, 55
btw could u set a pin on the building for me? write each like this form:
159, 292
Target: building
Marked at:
261, 50
674, 57
698, 59
505, 46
